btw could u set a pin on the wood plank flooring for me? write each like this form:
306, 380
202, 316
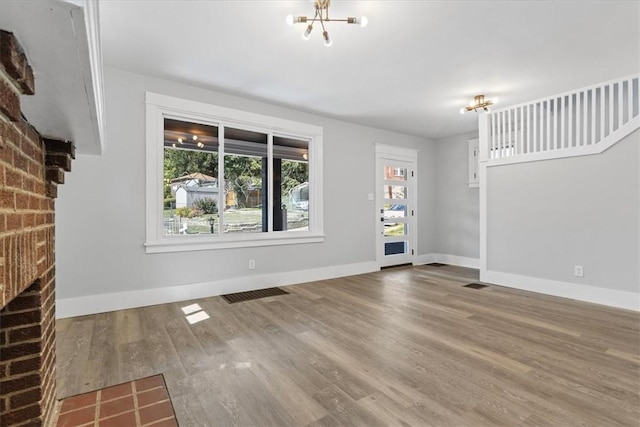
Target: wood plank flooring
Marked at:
400, 347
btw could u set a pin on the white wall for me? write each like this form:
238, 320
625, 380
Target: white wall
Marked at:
100, 211
456, 205
546, 217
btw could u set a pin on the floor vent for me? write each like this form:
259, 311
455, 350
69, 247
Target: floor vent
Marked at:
251, 295
391, 267
475, 286
436, 264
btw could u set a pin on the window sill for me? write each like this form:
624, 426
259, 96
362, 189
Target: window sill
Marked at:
206, 242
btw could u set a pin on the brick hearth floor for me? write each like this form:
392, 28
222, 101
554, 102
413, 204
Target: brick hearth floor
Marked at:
143, 402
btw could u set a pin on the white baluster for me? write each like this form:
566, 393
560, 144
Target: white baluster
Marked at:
549, 125
528, 128
522, 129
594, 139
570, 134
494, 136
563, 119
508, 132
585, 112
578, 116
503, 125
556, 115
498, 135
505, 135
620, 104
603, 105
535, 127
629, 100
492, 148
499, 141
610, 109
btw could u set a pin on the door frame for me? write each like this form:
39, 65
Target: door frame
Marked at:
410, 155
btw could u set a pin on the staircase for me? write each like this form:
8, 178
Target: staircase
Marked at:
567, 228
581, 122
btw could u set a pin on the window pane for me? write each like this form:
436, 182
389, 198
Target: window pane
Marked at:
291, 184
395, 211
393, 173
395, 229
245, 171
395, 248
191, 188
394, 192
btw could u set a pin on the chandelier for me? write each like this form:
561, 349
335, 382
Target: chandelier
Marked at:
194, 140
322, 16
479, 103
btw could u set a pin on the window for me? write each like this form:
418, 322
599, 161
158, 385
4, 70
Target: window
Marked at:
220, 178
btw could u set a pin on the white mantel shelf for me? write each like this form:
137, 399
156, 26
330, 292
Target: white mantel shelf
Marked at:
61, 41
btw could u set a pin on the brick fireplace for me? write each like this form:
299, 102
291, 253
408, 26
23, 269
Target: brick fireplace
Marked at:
31, 167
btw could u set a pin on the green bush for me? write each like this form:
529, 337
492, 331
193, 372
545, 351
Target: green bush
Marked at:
184, 212
207, 205
188, 212
169, 202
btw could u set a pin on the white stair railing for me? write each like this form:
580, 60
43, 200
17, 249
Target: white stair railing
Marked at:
583, 121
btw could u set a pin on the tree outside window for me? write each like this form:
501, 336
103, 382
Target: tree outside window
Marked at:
203, 195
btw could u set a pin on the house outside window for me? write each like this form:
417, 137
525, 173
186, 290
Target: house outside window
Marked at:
229, 178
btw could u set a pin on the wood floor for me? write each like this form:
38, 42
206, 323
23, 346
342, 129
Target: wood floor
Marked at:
407, 346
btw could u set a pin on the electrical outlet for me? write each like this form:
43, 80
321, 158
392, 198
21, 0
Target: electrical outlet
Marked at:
252, 264
578, 270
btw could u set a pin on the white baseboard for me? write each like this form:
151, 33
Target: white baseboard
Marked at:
593, 294
92, 304
423, 259
460, 261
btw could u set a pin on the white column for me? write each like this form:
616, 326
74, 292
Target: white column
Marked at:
484, 136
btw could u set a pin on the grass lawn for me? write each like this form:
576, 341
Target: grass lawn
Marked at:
247, 220
394, 230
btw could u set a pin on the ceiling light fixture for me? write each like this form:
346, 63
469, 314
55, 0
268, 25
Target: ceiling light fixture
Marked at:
194, 138
199, 143
479, 103
322, 15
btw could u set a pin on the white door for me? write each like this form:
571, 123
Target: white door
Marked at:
395, 205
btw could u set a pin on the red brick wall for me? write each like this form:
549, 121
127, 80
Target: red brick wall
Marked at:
27, 336
28, 163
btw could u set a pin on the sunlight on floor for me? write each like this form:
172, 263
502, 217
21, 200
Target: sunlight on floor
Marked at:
194, 313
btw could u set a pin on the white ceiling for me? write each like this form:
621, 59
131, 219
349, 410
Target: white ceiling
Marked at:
410, 70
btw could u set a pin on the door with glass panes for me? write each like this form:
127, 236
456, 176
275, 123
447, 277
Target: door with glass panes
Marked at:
395, 209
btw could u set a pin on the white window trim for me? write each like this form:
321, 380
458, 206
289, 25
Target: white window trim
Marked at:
157, 107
